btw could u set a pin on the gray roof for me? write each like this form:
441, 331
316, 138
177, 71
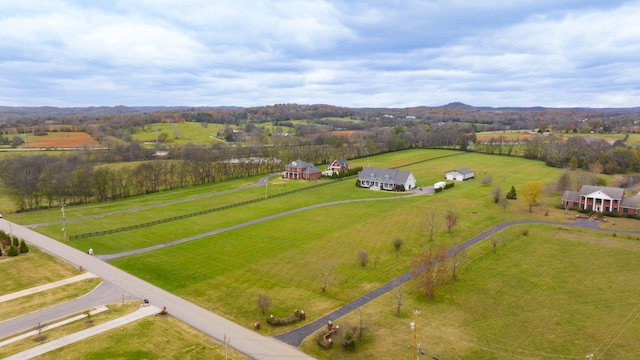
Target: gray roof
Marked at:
390, 175
300, 164
463, 171
614, 193
630, 202
311, 169
571, 196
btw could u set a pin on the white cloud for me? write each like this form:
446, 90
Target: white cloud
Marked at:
355, 53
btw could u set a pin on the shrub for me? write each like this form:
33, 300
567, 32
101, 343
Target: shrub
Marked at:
23, 247
363, 257
12, 251
298, 315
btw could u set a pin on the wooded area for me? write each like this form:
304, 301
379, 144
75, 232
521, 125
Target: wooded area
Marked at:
318, 134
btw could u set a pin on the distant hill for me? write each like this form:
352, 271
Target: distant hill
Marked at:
52, 112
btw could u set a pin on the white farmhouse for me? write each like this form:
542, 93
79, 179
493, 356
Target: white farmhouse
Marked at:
386, 179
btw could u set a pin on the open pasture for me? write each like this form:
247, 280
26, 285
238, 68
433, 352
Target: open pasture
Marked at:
287, 258
557, 293
283, 257
180, 133
470, 197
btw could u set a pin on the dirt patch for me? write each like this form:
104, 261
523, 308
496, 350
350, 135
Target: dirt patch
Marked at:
62, 139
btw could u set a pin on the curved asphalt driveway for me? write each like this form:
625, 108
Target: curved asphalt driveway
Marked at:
296, 336
107, 257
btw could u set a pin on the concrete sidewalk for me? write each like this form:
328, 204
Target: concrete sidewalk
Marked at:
37, 289
84, 334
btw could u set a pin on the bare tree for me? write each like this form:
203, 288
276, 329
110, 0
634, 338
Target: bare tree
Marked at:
496, 193
451, 218
363, 257
430, 220
494, 243
398, 297
487, 180
430, 270
326, 275
39, 328
264, 303
504, 202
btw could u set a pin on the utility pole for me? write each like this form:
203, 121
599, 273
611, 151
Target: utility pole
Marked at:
226, 353
64, 222
414, 327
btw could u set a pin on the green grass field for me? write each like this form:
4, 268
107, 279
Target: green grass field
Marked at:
557, 293
180, 133
285, 257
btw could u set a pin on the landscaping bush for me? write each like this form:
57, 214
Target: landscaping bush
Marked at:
23, 247
12, 251
297, 315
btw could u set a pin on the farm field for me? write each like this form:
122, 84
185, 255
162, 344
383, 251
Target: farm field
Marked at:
62, 140
181, 133
556, 293
285, 257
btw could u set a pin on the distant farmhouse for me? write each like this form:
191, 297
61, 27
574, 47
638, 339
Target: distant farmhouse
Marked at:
460, 174
386, 179
601, 199
302, 170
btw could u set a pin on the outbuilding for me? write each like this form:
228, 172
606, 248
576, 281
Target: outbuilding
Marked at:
460, 174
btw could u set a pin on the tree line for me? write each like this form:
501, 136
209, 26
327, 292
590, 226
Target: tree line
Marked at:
593, 154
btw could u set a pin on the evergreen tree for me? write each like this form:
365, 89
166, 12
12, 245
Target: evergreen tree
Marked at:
12, 251
512, 193
23, 247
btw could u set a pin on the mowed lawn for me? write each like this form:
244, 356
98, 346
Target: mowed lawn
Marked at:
286, 257
556, 293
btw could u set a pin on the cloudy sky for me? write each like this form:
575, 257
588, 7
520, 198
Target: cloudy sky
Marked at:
369, 53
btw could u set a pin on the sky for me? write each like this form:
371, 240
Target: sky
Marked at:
369, 53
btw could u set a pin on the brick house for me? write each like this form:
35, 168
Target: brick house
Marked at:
601, 199
302, 170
